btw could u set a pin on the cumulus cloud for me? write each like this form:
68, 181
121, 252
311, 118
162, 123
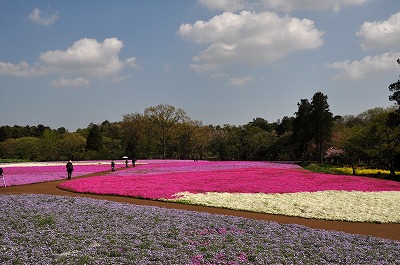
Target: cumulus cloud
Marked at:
86, 58
235, 81
45, 20
226, 5
381, 34
75, 82
369, 66
20, 69
132, 62
279, 5
247, 37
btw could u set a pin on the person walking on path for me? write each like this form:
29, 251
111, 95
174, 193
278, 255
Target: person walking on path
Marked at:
70, 168
112, 166
126, 162
2, 176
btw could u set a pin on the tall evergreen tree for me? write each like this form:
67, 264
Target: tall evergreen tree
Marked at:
302, 133
321, 121
394, 117
94, 141
395, 88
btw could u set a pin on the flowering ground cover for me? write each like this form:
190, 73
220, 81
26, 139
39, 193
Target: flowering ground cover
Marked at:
165, 181
28, 173
356, 206
276, 188
43, 229
361, 171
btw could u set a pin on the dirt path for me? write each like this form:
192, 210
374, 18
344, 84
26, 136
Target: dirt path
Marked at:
389, 231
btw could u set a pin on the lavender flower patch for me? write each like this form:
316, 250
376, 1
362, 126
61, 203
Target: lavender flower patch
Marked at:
28, 173
44, 229
150, 167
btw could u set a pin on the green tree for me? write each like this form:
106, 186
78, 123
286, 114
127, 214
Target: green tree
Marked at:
8, 148
4, 133
112, 148
302, 131
94, 141
49, 145
218, 144
395, 88
133, 129
261, 123
163, 120
72, 146
285, 125
321, 122
201, 140
27, 148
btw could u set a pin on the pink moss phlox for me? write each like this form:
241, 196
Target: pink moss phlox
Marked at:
155, 181
34, 174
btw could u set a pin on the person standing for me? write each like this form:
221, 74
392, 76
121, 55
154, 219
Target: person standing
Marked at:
2, 176
70, 168
112, 166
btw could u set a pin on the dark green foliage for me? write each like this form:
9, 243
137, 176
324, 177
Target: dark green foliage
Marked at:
321, 122
95, 139
312, 127
395, 88
302, 131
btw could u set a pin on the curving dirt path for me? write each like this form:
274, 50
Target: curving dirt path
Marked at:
388, 231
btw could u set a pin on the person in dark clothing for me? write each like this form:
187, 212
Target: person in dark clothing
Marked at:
70, 168
126, 162
133, 162
112, 166
2, 176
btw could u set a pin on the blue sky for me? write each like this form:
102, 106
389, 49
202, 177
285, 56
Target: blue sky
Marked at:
72, 63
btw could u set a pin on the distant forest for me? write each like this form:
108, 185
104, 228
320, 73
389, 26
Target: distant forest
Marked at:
165, 132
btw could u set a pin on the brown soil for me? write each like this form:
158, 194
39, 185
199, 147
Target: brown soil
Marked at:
388, 231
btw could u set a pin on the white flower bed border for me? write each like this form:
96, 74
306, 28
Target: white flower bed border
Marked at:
355, 206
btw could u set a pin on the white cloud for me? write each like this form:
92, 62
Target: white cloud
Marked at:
241, 81
75, 82
381, 34
131, 61
226, 5
279, 5
368, 67
21, 69
86, 57
45, 20
253, 38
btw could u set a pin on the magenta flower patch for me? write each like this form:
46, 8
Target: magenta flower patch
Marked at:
164, 180
42, 172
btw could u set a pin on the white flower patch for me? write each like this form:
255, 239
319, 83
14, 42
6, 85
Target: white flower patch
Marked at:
355, 206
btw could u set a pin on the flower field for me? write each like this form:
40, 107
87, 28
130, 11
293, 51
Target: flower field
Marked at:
361, 171
44, 229
264, 187
35, 172
48, 229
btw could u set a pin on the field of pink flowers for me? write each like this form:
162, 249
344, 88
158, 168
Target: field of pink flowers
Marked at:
164, 180
28, 173
154, 235
265, 187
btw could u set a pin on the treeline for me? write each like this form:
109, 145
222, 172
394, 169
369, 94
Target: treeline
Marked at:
163, 131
